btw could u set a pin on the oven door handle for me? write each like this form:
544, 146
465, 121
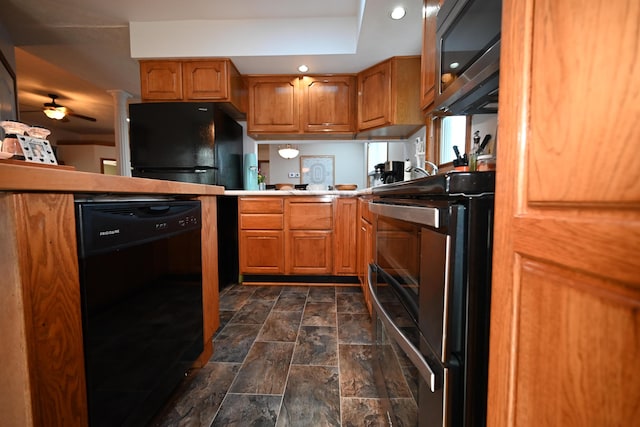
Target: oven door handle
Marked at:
416, 214
412, 353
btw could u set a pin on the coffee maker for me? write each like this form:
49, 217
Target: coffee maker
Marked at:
393, 172
376, 176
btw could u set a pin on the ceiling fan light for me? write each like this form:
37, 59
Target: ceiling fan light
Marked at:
288, 151
54, 113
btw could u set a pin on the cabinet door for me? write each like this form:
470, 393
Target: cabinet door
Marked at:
206, 80
428, 58
345, 260
309, 252
161, 80
374, 96
274, 104
262, 251
566, 273
365, 257
328, 104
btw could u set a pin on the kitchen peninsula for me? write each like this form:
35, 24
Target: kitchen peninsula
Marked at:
43, 378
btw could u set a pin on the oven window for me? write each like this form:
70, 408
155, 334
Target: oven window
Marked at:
475, 28
398, 246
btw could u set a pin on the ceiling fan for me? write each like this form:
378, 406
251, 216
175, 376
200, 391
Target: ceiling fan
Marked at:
59, 112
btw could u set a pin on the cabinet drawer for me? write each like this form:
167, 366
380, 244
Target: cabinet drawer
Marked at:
261, 205
310, 216
261, 221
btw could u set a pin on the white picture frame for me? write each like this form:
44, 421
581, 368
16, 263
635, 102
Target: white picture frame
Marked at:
37, 150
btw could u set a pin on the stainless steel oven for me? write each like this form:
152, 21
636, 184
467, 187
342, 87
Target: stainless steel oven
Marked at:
430, 287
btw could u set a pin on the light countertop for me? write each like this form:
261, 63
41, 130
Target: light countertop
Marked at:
342, 193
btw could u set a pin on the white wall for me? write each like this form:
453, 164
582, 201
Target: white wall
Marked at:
349, 157
85, 158
486, 124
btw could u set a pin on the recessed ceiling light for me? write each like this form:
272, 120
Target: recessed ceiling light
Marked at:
454, 65
398, 12
303, 68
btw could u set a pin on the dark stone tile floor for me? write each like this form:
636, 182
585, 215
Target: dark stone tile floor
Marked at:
285, 356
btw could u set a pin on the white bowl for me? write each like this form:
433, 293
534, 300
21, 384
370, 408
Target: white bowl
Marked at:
38, 132
13, 127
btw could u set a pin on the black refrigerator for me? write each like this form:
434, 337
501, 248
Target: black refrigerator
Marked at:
185, 141
193, 142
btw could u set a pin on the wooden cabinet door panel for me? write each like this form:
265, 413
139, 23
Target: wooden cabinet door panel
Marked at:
365, 257
309, 252
585, 326
566, 278
374, 96
328, 104
205, 80
428, 57
261, 252
345, 240
46, 277
274, 104
161, 80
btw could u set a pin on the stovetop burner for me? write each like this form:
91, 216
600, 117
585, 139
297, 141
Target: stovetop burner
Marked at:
447, 184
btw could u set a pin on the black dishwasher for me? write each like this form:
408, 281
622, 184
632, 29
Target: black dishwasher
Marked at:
141, 287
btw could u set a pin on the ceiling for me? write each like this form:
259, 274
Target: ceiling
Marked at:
81, 49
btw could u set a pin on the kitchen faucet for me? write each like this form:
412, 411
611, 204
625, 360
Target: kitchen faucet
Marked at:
434, 169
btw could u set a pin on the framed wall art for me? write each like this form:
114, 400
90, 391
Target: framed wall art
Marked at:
37, 150
8, 91
317, 170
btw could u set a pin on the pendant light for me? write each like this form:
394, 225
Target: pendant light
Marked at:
288, 151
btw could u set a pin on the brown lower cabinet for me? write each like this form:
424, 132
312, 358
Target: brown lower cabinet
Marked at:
297, 235
365, 250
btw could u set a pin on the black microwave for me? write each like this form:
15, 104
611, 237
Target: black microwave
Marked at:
468, 56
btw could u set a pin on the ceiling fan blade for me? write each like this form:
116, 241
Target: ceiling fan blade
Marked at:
80, 116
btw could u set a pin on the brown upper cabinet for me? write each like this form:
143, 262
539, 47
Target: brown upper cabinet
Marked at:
215, 80
389, 99
274, 105
328, 104
382, 101
428, 58
292, 105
